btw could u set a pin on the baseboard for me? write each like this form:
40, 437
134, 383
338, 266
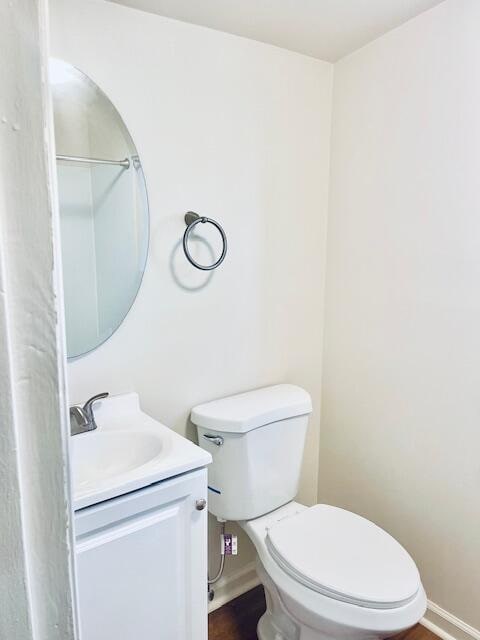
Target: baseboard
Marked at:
234, 585
447, 626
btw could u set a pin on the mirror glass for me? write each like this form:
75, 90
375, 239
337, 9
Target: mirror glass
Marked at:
104, 219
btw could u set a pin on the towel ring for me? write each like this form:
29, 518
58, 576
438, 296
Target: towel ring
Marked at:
191, 220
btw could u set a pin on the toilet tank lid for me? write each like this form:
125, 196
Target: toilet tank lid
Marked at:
246, 411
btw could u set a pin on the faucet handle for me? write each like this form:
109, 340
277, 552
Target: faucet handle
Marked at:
87, 407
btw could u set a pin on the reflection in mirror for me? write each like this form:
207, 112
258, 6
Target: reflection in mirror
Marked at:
103, 209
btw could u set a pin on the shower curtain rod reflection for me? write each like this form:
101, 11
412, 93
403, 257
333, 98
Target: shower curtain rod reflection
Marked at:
121, 163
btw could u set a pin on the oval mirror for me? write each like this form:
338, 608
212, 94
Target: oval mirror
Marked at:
104, 219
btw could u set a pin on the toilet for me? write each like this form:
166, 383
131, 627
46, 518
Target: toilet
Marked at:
327, 572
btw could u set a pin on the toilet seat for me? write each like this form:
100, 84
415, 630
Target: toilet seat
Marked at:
345, 557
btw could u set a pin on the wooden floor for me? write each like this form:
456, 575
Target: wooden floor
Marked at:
238, 619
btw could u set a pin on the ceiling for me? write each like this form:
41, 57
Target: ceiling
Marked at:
324, 29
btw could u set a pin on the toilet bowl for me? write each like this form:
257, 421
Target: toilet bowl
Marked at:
375, 592
327, 572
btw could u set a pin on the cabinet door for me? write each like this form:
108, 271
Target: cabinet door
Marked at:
142, 564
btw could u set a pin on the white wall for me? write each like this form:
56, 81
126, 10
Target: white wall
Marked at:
238, 131
401, 402
36, 600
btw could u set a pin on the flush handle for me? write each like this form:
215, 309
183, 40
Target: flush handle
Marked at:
218, 440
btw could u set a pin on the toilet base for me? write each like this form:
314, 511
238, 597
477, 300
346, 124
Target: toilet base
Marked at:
266, 630
276, 623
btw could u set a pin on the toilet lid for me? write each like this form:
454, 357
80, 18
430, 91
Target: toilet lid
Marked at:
345, 557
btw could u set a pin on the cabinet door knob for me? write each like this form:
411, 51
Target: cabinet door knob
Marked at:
200, 504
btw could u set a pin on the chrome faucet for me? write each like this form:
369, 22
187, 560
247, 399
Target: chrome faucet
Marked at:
82, 419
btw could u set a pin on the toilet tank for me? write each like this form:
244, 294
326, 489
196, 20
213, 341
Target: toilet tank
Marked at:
256, 440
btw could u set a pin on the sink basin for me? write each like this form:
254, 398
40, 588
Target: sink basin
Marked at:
98, 456
127, 451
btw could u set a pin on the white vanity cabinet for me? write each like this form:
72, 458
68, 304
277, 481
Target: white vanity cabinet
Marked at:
142, 563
